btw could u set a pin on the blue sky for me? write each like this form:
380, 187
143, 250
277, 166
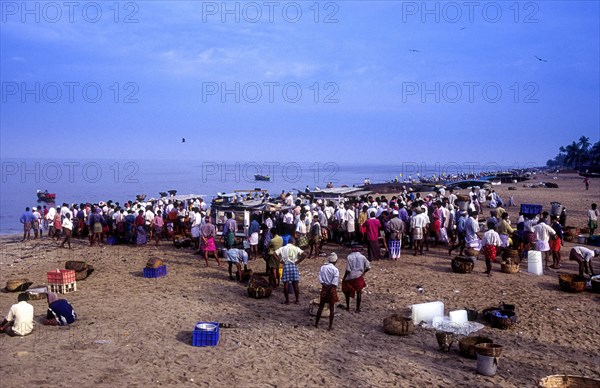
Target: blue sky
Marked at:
162, 67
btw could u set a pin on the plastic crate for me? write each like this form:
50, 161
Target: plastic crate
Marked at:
594, 240
155, 272
62, 288
531, 209
205, 337
61, 276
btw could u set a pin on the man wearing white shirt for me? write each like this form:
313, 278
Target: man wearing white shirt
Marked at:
543, 233
19, 321
329, 277
50, 219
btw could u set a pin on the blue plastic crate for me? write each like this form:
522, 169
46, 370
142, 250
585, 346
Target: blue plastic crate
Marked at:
594, 240
155, 272
531, 209
205, 337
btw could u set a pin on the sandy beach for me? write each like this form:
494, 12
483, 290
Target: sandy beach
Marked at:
144, 325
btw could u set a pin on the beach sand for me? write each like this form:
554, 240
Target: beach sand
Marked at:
148, 322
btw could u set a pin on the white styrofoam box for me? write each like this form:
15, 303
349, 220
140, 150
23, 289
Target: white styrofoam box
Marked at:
427, 311
458, 316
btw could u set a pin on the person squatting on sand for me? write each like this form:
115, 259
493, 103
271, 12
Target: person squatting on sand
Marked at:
353, 282
329, 277
19, 321
60, 312
236, 257
583, 256
290, 255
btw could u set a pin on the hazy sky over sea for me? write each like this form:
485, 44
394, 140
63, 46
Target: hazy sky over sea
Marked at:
344, 81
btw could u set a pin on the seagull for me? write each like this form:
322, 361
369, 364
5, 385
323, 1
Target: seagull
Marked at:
183, 139
540, 59
414, 51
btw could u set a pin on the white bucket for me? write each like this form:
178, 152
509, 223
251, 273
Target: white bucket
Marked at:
581, 239
487, 366
534, 263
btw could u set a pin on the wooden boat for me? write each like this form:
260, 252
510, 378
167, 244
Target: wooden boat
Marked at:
258, 177
45, 195
590, 172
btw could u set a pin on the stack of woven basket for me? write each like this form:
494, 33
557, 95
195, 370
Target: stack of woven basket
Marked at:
81, 268
510, 261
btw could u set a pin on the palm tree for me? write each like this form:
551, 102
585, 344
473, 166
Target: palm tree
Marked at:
575, 156
595, 154
584, 143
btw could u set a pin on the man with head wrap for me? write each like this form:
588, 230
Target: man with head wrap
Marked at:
329, 277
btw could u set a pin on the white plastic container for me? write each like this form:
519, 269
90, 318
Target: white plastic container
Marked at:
427, 311
534, 263
458, 316
581, 239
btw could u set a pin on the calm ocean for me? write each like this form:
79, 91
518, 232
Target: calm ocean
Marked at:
76, 181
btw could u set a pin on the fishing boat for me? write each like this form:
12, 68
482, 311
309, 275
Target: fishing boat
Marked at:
45, 195
258, 177
590, 172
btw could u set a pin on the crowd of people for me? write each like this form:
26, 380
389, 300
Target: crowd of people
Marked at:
303, 225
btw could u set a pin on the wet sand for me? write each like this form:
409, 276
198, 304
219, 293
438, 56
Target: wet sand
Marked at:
148, 322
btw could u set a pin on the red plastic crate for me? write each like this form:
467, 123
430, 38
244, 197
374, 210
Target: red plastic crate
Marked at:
61, 276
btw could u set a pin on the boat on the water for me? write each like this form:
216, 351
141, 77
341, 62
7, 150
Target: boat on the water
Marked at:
45, 195
258, 177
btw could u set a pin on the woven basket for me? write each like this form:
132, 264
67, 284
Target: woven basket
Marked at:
488, 349
571, 283
472, 314
509, 268
462, 265
471, 252
568, 381
511, 255
466, 345
35, 295
258, 287
398, 325
503, 323
76, 266
17, 285
82, 275
445, 340
154, 262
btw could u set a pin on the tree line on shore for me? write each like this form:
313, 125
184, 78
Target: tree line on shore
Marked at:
577, 154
